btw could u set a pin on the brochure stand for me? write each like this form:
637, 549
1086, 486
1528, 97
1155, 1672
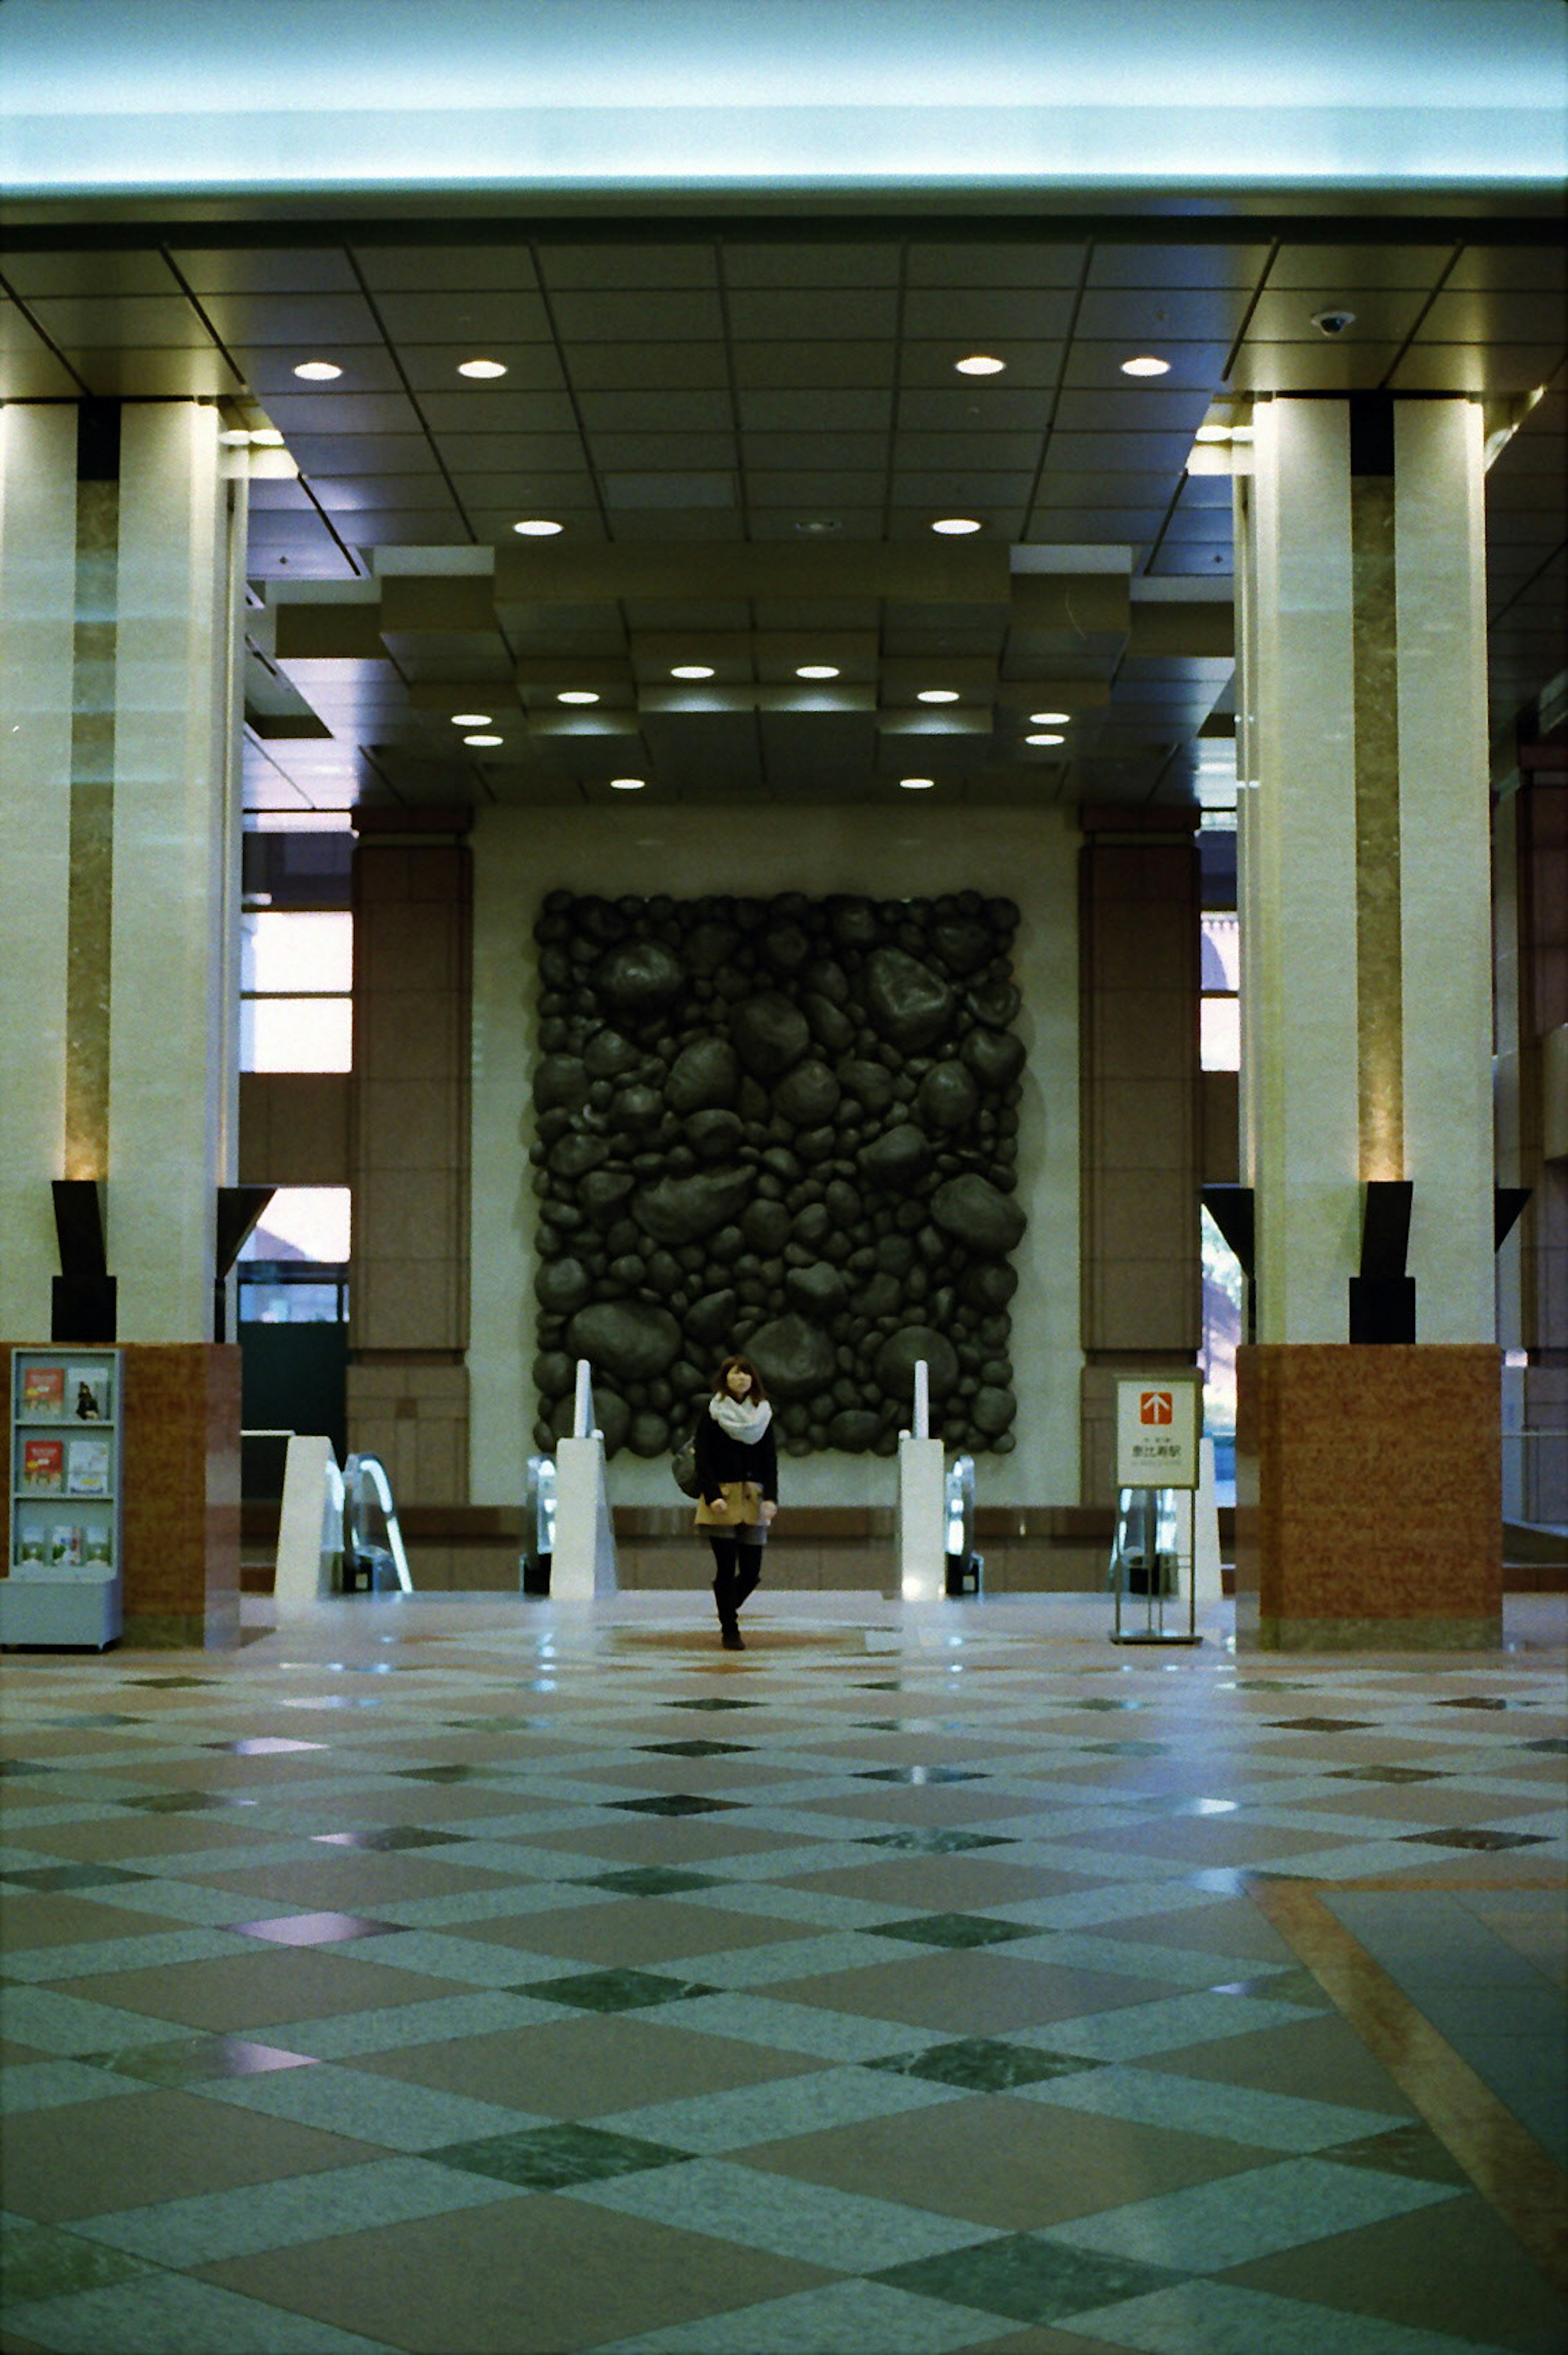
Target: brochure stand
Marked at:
63, 1552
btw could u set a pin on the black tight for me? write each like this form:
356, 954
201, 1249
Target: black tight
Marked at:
737, 1569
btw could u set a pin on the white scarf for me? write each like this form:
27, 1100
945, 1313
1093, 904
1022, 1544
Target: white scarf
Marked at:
743, 1419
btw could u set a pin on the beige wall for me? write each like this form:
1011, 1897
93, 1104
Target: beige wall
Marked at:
519, 855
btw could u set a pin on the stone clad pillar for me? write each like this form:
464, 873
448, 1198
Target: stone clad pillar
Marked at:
1368, 1509
121, 570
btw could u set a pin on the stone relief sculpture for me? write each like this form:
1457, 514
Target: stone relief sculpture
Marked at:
787, 1127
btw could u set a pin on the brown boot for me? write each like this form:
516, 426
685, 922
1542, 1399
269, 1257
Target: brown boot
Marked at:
731, 1639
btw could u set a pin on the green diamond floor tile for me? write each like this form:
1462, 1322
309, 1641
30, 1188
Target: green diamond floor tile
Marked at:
651, 1881
844, 2230
551, 2157
1211, 2317
1209, 2227
1028, 2279
698, 1749
717, 2123
713, 1701
625, 1991
1412, 2150
936, 1843
38, 2261
168, 2313
956, 1929
675, 1803
66, 1877
868, 2318
984, 2064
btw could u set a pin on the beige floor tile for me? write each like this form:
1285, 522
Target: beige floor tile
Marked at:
246, 1991
650, 1929
1016, 2165
970, 1993
945, 1884
587, 2067
56, 1920
528, 2277
97, 2156
1454, 2268
1318, 2059
352, 1881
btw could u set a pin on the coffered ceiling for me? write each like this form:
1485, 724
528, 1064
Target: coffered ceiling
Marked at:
746, 430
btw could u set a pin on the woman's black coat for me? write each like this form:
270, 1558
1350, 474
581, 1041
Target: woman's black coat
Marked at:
721, 1457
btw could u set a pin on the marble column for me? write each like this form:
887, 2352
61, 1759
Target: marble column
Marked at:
122, 572
1368, 1474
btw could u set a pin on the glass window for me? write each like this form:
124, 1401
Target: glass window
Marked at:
302, 1222
1221, 1037
1222, 953
291, 1304
295, 971
1222, 1305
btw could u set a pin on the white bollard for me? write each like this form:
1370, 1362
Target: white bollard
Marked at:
583, 1408
922, 1429
583, 1563
310, 1526
922, 1501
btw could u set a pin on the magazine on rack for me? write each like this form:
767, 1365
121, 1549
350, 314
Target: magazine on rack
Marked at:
43, 1393
87, 1393
89, 1467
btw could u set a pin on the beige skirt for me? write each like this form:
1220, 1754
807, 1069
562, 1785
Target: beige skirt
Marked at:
743, 1510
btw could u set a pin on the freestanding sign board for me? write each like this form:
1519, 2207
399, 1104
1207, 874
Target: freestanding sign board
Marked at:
1159, 1422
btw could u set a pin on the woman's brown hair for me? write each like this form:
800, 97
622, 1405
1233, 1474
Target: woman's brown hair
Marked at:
758, 1393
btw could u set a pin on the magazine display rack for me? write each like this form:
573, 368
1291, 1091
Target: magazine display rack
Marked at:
63, 1557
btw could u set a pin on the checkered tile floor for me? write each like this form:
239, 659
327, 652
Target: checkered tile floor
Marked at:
473, 1977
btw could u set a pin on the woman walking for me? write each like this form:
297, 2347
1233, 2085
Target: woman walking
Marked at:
737, 1482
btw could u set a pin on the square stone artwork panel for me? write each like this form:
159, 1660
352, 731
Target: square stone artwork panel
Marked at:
787, 1127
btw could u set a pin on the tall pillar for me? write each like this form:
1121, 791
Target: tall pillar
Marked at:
121, 573
1369, 1507
408, 1152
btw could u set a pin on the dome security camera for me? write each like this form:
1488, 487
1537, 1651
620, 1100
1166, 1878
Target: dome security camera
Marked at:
1333, 323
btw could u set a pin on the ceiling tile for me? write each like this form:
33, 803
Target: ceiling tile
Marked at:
817, 315
110, 375
1133, 408
85, 321
474, 318
1133, 454
1346, 269
799, 411
624, 266
367, 367
651, 452
640, 367
656, 317
452, 264
35, 373
531, 369
89, 274
835, 452
960, 490
809, 491
1322, 367
342, 412
1024, 263
982, 406
266, 270
318, 324
1177, 265
360, 453
828, 366
1032, 366
1059, 488
345, 494
1514, 317
1083, 527
932, 451
829, 264
1460, 368
1383, 315
521, 415
508, 453
690, 410
973, 315
1542, 268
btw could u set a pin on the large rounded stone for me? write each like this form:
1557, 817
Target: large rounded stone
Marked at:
649, 1435
898, 1159
714, 1135
559, 1082
854, 1430
769, 1034
630, 1339
818, 1290
785, 948
563, 1285
992, 1410
963, 944
640, 979
705, 1076
990, 1285
767, 1226
553, 1373
870, 1083
709, 945
574, 1155
603, 1192
676, 1211
911, 1006
710, 1319
947, 1097
990, 1223
995, 1002
830, 1025
608, 1056
807, 1096
995, 1056
795, 1358
902, 1351
852, 922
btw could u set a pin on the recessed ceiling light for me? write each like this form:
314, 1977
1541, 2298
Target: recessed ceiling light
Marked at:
816, 525
1146, 364
957, 527
816, 670
979, 364
1045, 739
576, 695
318, 372
917, 784
1048, 718
481, 740
628, 785
482, 368
538, 527
692, 670
471, 719
937, 695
